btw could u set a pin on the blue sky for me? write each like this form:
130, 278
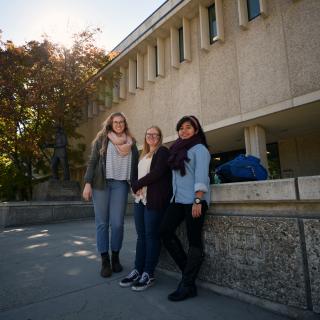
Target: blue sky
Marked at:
24, 20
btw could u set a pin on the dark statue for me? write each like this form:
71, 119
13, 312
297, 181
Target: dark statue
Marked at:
55, 189
60, 155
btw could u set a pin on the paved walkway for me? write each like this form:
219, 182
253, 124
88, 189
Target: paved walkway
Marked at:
51, 272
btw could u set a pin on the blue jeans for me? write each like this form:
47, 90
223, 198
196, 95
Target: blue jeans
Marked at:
109, 208
147, 223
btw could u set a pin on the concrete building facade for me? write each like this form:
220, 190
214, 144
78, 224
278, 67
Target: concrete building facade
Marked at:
253, 83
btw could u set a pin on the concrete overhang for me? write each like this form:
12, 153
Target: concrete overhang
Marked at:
292, 122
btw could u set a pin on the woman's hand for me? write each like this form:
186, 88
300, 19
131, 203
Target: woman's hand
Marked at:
197, 207
138, 193
134, 187
87, 192
196, 210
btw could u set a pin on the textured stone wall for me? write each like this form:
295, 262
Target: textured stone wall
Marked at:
312, 236
259, 256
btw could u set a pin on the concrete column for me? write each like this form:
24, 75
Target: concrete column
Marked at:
263, 8
101, 106
95, 108
132, 76
219, 20
204, 28
186, 39
243, 14
101, 96
140, 75
174, 42
108, 100
151, 63
255, 139
123, 85
115, 91
108, 95
160, 55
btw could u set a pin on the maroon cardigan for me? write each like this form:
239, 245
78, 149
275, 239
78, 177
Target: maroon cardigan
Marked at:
158, 181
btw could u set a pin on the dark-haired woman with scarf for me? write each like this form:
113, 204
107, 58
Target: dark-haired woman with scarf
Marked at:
189, 160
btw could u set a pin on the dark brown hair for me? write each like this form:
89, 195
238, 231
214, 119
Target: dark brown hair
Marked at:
196, 126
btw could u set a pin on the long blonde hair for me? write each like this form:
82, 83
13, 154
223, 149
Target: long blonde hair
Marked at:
107, 127
146, 147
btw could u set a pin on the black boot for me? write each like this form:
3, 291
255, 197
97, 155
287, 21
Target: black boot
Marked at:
116, 266
105, 266
183, 292
187, 288
175, 249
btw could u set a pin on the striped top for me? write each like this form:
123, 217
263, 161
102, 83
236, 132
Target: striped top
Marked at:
117, 167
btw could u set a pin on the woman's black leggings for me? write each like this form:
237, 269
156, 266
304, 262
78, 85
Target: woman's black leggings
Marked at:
175, 214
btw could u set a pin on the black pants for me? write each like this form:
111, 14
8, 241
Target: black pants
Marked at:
175, 214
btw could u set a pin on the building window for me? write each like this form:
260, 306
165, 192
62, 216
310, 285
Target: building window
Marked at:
253, 9
181, 51
212, 23
274, 165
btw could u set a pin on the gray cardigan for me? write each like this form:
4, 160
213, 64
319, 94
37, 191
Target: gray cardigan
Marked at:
96, 167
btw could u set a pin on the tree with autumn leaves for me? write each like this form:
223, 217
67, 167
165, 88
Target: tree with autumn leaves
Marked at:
42, 86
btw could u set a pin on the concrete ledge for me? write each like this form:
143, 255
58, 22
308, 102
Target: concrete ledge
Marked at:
26, 213
301, 198
36, 212
269, 190
296, 209
309, 188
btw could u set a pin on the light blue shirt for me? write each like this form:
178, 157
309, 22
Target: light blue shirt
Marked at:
196, 177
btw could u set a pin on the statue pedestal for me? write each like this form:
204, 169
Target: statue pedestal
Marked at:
56, 190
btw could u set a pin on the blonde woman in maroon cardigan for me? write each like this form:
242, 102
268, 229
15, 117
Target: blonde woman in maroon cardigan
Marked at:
151, 185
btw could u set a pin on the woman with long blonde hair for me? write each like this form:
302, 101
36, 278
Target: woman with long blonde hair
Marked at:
151, 185
113, 157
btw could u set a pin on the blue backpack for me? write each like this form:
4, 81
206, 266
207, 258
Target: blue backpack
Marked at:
242, 168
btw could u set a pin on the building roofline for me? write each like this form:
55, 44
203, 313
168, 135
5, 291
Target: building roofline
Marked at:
135, 29
102, 70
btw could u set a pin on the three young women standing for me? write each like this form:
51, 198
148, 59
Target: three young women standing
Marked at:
113, 157
189, 160
113, 162
151, 185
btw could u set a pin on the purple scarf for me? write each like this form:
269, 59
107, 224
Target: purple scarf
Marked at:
179, 153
